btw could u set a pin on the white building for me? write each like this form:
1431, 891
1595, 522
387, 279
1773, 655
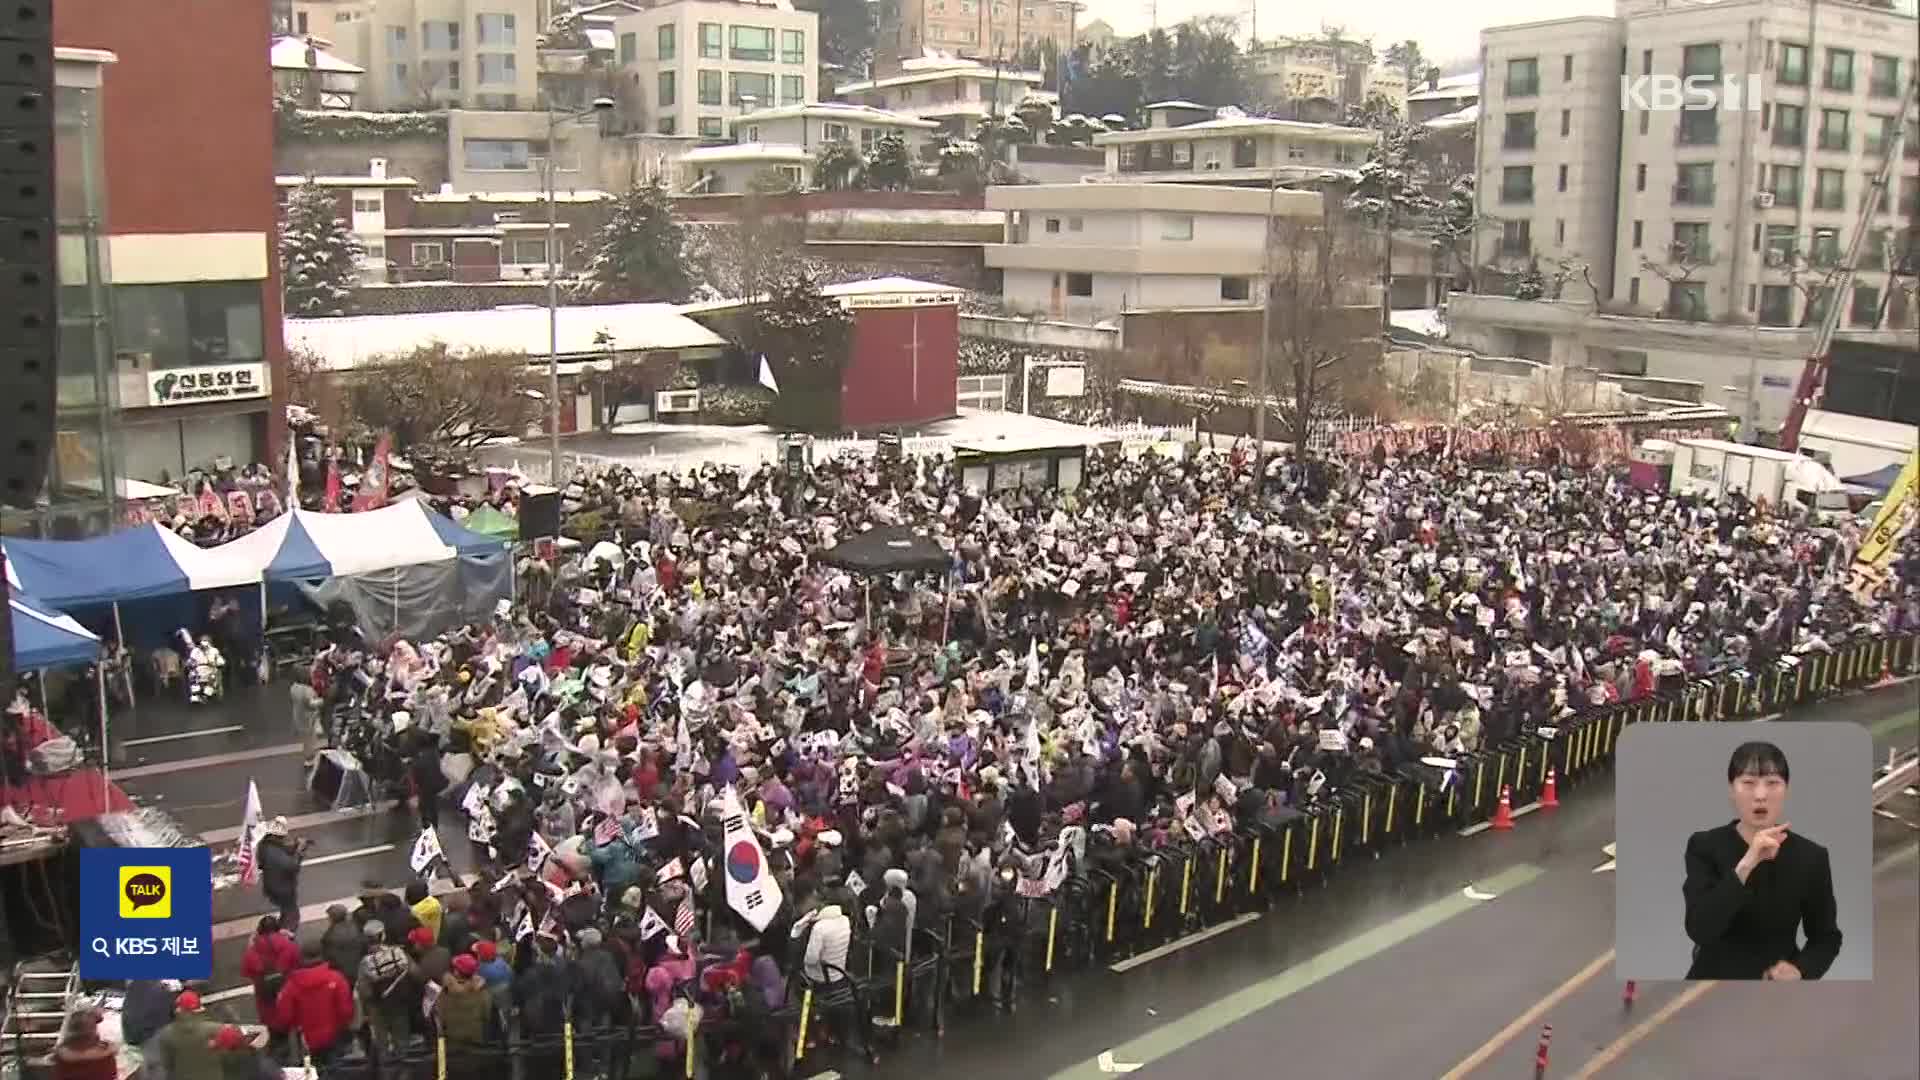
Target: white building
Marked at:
1184, 143
470, 54
812, 127
955, 93
732, 168
1085, 252
1718, 215
687, 67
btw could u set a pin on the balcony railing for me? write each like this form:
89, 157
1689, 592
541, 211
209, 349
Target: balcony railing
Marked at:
1833, 140
1693, 194
1528, 87
1517, 140
1883, 88
1829, 200
1789, 136
1696, 134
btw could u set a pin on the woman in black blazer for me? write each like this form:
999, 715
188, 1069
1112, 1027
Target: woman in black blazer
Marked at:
1752, 885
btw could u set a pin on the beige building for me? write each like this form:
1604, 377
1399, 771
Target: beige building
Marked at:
1335, 76
689, 67
1184, 143
814, 127
954, 92
465, 54
1083, 252
975, 29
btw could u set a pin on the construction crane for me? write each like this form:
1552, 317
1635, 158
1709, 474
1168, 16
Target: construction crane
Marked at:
1813, 378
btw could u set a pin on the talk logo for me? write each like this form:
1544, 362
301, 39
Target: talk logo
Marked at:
146, 892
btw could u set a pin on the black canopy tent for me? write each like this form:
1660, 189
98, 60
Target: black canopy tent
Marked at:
892, 549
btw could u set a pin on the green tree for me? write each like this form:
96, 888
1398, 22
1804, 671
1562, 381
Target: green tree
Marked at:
846, 33
889, 167
804, 336
637, 254
1389, 198
838, 166
319, 257
1407, 58
1451, 226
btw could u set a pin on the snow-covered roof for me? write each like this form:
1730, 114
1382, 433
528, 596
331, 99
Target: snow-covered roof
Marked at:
1453, 86
601, 39
290, 54
295, 180
890, 286
1424, 321
1178, 105
1241, 125
922, 69
343, 344
1458, 118
751, 151
583, 195
835, 110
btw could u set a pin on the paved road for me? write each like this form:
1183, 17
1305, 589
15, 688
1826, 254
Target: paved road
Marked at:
1389, 970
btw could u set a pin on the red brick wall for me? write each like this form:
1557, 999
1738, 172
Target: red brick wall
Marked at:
188, 129
879, 386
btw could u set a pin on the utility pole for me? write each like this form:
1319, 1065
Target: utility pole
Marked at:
1266, 345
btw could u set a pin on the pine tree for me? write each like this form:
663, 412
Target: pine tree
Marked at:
889, 167
637, 254
319, 256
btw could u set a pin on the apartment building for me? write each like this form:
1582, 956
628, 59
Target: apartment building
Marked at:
1549, 131
1084, 252
688, 67
1184, 143
1727, 214
974, 29
954, 92
463, 54
1335, 75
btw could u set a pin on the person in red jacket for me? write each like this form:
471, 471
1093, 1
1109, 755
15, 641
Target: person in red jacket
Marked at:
271, 956
317, 1002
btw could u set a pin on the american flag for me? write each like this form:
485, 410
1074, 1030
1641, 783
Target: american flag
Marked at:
250, 836
683, 917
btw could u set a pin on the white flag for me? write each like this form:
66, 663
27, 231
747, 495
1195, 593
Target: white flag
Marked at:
250, 836
426, 850
538, 850
751, 891
1033, 665
651, 924
766, 375
293, 474
480, 826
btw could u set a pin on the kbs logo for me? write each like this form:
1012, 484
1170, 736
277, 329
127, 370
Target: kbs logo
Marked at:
1692, 93
146, 892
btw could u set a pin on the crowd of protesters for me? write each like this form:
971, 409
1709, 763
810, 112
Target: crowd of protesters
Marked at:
1173, 648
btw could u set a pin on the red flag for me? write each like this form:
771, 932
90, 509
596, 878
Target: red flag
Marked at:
373, 482
332, 504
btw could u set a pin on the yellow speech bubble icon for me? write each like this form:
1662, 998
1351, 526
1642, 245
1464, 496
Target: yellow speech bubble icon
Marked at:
146, 892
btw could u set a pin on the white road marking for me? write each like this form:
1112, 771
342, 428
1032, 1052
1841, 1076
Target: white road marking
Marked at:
1612, 860
1108, 1065
295, 824
1472, 893
1176, 945
162, 768
341, 856
151, 739
1479, 827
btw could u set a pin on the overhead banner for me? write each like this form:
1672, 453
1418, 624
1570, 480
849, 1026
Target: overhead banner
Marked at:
1895, 521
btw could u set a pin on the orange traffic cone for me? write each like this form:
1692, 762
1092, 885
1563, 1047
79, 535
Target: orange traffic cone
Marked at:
1550, 795
1503, 813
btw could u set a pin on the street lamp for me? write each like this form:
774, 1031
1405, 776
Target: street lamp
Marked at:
554, 120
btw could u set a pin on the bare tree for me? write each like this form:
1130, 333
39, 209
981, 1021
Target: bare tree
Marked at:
433, 397
1319, 329
1682, 260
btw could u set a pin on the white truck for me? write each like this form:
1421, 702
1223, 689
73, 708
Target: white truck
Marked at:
1856, 445
1714, 467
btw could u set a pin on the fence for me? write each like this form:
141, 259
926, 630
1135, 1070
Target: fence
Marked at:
1124, 903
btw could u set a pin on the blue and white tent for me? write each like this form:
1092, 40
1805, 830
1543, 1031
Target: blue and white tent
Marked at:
307, 546
45, 639
132, 564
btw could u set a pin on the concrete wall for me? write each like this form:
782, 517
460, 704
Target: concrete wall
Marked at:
422, 157
1056, 164
1459, 380
1214, 346
1041, 335
1033, 291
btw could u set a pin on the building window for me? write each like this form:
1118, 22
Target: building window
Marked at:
1559, 231
1835, 132
1691, 242
440, 36
666, 43
1633, 290
211, 322
1516, 184
1817, 305
711, 127
1076, 224
368, 204
1700, 62
402, 83
1079, 284
1520, 132
710, 90
1687, 300
1776, 305
450, 74
396, 39
1646, 62
793, 46
751, 43
1839, 74
1645, 118
497, 69
710, 38
1879, 136
667, 90
1695, 185
1053, 225
1639, 232
1883, 77
1639, 178
1176, 227
1698, 127
1566, 68
1516, 238
1789, 125
629, 48
1296, 152
374, 251
751, 87
1792, 68
429, 253
1785, 186
1523, 77
522, 251
495, 29
1873, 253
511, 154
1566, 122
1825, 250
667, 125
1779, 245
793, 89
1235, 288
1829, 189
1561, 180
1866, 305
